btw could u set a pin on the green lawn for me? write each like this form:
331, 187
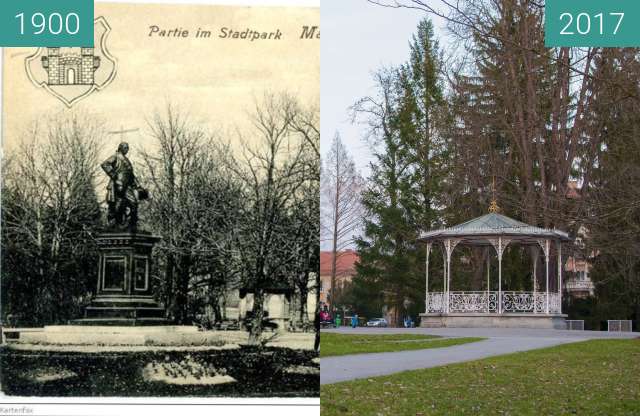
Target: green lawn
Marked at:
599, 377
343, 344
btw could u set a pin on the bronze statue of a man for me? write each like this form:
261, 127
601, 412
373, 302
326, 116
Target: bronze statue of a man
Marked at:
123, 191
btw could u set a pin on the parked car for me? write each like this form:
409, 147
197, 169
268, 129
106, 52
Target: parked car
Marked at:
325, 320
379, 322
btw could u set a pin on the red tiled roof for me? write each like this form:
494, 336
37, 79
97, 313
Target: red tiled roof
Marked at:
345, 263
573, 190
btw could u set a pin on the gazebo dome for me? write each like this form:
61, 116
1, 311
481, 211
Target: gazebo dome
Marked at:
492, 225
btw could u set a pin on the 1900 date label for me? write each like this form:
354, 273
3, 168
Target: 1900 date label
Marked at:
40, 23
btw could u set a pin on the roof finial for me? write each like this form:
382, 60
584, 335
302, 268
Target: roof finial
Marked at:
493, 207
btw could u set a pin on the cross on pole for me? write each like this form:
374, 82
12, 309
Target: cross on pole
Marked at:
122, 132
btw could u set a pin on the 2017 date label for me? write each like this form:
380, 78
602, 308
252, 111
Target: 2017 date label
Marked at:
592, 23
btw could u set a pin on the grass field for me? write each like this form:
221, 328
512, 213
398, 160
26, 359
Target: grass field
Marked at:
599, 377
344, 344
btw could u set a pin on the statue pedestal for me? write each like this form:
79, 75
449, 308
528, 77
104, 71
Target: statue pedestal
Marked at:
124, 294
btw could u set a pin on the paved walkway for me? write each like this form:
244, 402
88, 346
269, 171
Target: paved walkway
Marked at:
499, 341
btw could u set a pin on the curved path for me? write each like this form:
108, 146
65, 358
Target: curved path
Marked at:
499, 341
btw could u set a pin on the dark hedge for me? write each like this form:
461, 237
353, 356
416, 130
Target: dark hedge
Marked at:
259, 373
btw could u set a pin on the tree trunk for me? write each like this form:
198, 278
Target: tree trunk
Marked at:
255, 334
169, 295
184, 270
304, 294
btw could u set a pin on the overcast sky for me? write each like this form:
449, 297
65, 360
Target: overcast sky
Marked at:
357, 39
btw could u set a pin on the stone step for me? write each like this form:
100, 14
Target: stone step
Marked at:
123, 312
120, 321
124, 302
99, 332
111, 329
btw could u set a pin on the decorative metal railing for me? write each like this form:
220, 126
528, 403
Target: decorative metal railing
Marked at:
473, 302
487, 302
572, 285
435, 302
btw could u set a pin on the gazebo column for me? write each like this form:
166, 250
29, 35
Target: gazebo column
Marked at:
545, 245
448, 266
500, 244
445, 289
426, 299
499, 274
535, 254
449, 245
488, 277
546, 262
559, 245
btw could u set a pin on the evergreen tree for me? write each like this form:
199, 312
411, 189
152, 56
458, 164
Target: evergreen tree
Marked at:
403, 195
382, 269
613, 225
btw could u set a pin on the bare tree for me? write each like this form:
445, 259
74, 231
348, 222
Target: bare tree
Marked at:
272, 174
50, 211
170, 169
305, 121
342, 209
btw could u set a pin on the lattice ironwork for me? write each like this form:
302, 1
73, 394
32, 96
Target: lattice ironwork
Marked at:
487, 302
554, 303
463, 302
435, 302
540, 302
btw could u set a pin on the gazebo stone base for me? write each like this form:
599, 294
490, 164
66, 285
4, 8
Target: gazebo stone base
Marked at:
492, 320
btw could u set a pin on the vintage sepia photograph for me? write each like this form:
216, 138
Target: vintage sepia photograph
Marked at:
160, 233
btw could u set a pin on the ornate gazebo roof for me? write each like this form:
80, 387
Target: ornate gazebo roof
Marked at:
479, 230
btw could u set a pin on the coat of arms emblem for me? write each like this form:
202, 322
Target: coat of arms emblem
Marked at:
71, 74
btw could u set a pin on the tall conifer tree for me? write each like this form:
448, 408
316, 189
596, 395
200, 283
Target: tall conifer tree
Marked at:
402, 198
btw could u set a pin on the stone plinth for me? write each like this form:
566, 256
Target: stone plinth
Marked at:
493, 320
124, 293
112, 336
276, 305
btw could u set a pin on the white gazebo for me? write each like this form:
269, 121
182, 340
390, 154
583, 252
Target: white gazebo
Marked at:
495, 307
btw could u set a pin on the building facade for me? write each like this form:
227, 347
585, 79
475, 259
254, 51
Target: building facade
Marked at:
577, 283
345, 270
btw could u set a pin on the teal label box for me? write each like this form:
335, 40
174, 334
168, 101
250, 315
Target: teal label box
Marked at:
602, 23
46, 23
